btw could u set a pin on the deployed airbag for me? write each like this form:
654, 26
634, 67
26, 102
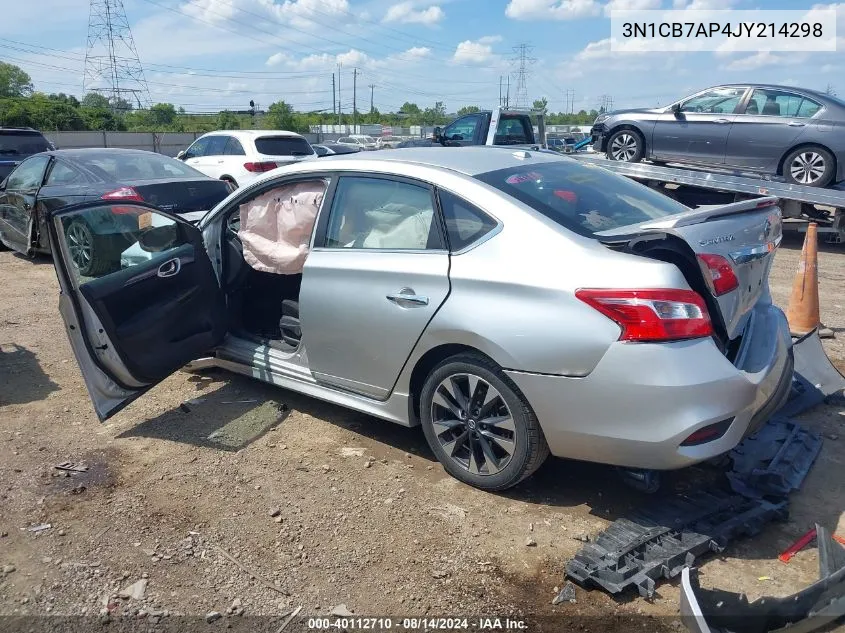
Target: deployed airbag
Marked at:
276, 227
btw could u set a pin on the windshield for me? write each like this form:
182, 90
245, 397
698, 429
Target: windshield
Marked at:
283, 146
129, 167
583, 198
22, 143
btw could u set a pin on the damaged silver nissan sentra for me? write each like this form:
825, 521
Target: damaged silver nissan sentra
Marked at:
513, 303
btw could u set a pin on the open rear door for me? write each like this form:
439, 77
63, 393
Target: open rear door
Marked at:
139, 296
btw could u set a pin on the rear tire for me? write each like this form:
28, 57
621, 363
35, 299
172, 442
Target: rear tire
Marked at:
811, 166
479, 425
92, 255
626, 145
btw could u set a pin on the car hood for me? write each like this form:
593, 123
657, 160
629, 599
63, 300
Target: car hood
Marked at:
618, 113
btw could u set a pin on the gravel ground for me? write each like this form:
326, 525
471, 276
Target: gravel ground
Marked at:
217, 494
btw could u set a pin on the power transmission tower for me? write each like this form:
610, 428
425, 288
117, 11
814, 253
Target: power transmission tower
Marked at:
334, 97
355, 96
112, 65
339, 115
372, 92
570, 101
605, 103
524, 60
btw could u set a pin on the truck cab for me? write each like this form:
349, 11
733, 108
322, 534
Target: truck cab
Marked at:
500, 126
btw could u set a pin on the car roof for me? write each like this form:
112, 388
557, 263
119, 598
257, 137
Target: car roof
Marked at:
466, 160
253, 133
100, 151
753, 84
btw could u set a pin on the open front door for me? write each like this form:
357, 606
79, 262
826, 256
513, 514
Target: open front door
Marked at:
139, 296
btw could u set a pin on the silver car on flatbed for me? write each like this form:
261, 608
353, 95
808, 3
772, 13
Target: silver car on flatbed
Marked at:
512, 303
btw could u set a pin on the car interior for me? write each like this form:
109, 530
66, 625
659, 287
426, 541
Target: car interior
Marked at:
267, 240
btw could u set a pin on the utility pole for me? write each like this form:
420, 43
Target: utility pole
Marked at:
354, 98
500, 91
508, 94
334, 98
372, 90
339, 115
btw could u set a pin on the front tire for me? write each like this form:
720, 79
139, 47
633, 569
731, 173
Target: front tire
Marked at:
811, 166
626, 145
479, 425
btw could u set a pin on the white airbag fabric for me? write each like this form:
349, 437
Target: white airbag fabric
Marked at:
276, 227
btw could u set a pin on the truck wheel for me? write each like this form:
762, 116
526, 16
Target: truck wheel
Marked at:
626, 145
812, 166
90, 254
478, 424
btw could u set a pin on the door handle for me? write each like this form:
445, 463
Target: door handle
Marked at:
721, 120
407, 296
170, 267
795, 124
220, 162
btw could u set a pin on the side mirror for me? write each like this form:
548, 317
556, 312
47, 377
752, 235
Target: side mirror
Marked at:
676, 109
181, 155
437, 135
158, 238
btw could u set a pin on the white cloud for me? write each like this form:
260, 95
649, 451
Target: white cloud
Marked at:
631, 5
552, 9
479, 51
704, 5
276, 59
407, 13
417, 52
760, 59
297, 13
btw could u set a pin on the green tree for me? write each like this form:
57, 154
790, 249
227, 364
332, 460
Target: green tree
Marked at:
227, 121
280, 116
14, 82
162, 114
95, 100
410, 108
541, 104
468, 110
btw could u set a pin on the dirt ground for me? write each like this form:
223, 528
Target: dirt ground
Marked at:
229, 496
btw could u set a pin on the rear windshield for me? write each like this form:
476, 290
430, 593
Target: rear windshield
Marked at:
129, 167
583, 198
22, 143
283, 146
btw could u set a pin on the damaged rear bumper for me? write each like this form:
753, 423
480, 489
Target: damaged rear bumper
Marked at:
625, 415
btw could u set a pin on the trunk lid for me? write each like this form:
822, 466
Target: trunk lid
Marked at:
745, 234
181, 196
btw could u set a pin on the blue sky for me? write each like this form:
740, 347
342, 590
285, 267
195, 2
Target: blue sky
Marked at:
208, 54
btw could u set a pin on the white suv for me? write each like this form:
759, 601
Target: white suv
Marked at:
241, 156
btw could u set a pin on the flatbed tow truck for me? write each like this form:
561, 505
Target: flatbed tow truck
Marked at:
695, 187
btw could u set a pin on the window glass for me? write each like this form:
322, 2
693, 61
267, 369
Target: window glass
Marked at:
512, 130
130, 166
28, 175
104, 239
807, 108
216, 145
198, 148
63, 174
21, 143
779, 103
375, 213
465, 223
283, 146
715, 101
463, 129
234, 147
586, 199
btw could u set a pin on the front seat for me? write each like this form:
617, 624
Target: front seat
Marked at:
771, 107
752, 108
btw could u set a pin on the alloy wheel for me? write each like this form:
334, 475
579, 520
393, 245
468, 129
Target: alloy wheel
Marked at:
80, 244
623, 147
807, 167
473, 424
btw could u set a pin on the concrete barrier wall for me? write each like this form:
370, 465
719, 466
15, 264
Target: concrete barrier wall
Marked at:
168, 143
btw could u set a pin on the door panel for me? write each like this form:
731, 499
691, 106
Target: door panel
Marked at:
699, 131
377, 275
358, 333
773, 122
17, 202
155, 307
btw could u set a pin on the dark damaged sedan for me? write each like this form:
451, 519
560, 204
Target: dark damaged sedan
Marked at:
58, 178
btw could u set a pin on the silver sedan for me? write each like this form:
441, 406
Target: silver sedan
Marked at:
512, 303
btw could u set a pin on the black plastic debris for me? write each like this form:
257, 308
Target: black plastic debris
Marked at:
661, 540
775, 460
817, 606
815, 377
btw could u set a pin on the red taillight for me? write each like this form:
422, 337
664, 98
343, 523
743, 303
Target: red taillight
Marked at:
260, 167
124, 194
718, 273
652, 315
708, 433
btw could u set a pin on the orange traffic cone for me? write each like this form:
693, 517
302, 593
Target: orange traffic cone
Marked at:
803, 310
